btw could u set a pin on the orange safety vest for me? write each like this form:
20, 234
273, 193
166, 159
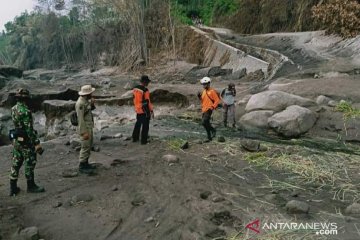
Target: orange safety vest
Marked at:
209, 100
141, 93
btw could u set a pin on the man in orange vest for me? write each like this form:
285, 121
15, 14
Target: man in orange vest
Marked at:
209, 102
144, 110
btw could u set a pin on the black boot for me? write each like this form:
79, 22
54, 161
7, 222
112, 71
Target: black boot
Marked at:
33, 188
85, 167
213, 132
14, 189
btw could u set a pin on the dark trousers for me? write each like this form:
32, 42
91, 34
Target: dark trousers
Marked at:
144, 121
206, 117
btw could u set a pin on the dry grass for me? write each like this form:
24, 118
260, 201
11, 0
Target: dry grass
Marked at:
277, 235
330, 170
175, 144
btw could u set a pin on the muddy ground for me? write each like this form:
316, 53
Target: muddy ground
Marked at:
212, 192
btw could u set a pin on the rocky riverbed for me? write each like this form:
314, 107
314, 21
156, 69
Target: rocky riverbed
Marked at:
292, 158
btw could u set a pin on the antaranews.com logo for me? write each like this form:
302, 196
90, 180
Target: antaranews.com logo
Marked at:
319, 228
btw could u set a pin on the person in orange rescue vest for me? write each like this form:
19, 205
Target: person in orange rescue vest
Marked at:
144, 110
209, 102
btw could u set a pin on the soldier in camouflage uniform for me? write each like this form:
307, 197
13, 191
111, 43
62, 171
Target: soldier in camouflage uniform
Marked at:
26, 144
84, 106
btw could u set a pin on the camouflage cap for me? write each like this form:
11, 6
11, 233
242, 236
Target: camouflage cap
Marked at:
22, 92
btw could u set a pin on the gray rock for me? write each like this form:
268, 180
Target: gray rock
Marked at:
332, 103
3, 81
250, 145
127, 94
239, 74
218, 199
57, 204
293, 121
30, 233
118, 135
114, 188
149, 219
322, 100
218, 71
275, 198
95, 148
75, 142
10, 71
57, 108
128, 86
295, 193
353, 209
205, 195
167, 97
126, 138
199, 72
295, 206
138, 201
70, 173
236, 75
244, 100
170, 158
199, 141
192, 107
185, 145
5, 116
216, 233
262, 148
275, 101
82, 197
258, 75
255, 120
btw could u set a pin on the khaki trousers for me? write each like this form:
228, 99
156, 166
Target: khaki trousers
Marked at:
86, 146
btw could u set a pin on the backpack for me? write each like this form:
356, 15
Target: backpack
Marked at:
74, 119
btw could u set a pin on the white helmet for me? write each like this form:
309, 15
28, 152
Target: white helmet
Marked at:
205, 80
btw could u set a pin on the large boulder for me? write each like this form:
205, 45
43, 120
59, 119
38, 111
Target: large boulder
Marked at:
258, 75
9, 71
275, 101
5, 125
322, 100
293, 121
57, 108
39, 95
164, 96
255, 120
199, 72
239, 74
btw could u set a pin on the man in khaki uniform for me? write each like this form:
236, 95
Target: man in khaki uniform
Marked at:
84, 106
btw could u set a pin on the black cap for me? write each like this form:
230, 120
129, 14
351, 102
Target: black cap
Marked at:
145, 79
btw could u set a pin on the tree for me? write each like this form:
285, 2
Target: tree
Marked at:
339, 16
